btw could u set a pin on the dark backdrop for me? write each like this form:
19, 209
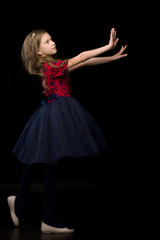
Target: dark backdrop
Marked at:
111, 93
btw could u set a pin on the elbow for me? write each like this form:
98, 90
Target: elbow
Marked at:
83, 57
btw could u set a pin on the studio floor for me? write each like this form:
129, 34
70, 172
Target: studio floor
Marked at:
113, 211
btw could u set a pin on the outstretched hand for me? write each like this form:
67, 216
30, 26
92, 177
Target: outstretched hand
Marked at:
113, 39
120, 53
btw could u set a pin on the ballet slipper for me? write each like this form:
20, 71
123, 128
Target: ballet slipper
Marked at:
11, 201
49, 229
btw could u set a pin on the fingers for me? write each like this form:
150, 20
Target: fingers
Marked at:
113, 33
123, 49
114, 36
125, 55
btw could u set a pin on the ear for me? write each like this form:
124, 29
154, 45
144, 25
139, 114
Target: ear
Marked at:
39, 52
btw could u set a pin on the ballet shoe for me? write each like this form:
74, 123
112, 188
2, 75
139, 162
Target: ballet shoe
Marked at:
49, 229
11, 201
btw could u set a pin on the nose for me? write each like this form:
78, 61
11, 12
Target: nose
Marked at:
53, 43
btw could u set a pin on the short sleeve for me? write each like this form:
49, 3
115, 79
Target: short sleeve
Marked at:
60, 69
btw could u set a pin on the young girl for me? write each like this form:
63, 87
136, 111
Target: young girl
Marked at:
61, 126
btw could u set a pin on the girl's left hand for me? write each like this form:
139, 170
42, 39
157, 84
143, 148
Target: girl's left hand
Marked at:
120, 54
113, 40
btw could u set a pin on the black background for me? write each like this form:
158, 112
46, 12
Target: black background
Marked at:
112, 93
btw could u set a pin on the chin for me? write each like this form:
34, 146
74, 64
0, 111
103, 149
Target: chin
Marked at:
54, 52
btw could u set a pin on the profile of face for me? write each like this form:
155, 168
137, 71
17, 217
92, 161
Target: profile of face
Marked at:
47, 46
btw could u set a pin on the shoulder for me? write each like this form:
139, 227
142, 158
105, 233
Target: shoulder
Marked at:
56, 63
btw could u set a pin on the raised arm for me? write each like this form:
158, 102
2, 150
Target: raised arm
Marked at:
84, 56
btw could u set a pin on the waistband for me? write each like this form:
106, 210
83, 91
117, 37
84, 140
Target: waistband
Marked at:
52, 97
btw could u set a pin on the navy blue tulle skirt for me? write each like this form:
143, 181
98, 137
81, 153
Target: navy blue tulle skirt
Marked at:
59, 129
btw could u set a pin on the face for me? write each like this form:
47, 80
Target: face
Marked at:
47, 46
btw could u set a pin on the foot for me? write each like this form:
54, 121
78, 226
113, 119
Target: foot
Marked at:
11, 201
49, 229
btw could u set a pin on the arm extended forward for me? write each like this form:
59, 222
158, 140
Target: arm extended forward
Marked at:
84, 56
100, 60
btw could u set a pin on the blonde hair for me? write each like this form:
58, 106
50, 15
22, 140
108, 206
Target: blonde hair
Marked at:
32, 61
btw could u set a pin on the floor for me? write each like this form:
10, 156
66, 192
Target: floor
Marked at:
113, 211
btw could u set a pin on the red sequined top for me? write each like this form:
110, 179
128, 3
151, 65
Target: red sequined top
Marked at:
56, 79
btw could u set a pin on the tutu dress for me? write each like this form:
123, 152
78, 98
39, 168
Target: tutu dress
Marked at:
61, 126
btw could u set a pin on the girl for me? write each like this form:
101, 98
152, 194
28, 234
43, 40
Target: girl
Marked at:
61, 126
